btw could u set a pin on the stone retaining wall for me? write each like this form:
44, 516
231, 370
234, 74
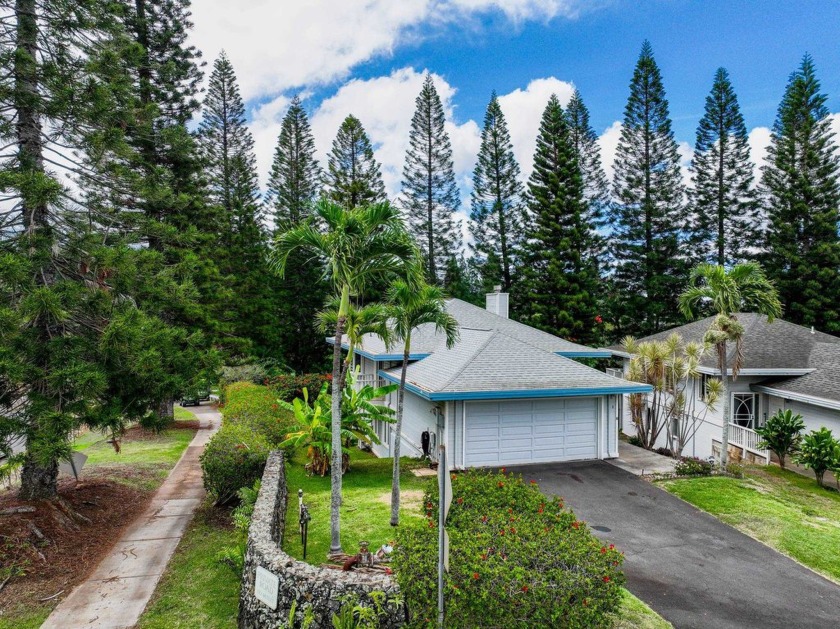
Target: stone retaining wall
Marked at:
322, 589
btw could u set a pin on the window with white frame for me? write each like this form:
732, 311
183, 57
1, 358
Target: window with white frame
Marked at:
703, 385
745, 409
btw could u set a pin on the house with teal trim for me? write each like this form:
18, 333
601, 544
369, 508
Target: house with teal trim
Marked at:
505, 394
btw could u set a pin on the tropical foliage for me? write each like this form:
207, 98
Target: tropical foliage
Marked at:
782, 434
819, 452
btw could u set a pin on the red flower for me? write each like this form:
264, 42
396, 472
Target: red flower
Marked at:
502, 470
460, 501
501, 484
484, 557
524, 588
513, 530
388, 571
603, 550
612, 546
606, 579
475, 576
453, 477
598, 319
431, 524
502, 532
576, 524
533, 482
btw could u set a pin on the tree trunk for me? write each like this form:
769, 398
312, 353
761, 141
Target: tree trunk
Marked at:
724, 376
395, 480
166, 409
38, 481
337, 459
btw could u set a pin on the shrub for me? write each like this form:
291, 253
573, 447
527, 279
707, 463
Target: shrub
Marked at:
692, 466
254, 373
735, 469
820, 451
234, 458
234, 556
257, 408
635, 440
289, 387
782, 434
513, 551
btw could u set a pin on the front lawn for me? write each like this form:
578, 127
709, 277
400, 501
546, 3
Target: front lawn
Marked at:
785, 510
366, 511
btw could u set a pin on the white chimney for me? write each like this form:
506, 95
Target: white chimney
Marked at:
497, 302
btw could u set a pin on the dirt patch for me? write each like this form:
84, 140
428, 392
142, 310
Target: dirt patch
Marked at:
57, 546
409, 498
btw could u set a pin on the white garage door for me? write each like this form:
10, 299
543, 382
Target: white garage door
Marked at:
531, 431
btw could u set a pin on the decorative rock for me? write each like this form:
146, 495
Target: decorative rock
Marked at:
321, 589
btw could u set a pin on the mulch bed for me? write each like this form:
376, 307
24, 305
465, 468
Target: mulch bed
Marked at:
63, 540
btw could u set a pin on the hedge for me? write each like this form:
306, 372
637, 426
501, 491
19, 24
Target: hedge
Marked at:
289, 387
516, 557
256, 407
234, 458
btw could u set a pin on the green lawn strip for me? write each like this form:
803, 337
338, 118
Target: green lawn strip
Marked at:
18, 618
366, 509
197, 591
635, 614
785, 510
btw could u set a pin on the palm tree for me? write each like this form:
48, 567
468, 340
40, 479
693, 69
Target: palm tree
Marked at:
358, 246
743, 288
410, 305
368, 319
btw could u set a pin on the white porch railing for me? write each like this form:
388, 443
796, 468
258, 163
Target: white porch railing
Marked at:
616, 373
370, 378
748, 440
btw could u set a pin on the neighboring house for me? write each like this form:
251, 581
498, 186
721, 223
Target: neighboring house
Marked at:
505, 394
786, 366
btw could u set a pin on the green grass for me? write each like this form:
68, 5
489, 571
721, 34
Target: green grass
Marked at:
634, 614
24, 618
197, 591
785, 510
142, 463
366, 509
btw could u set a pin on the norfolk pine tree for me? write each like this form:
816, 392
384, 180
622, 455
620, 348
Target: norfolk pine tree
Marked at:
497, 214
293, 187
801, 196
227, 152
353, 177
560, 284
650, 266
725, 223
429, 194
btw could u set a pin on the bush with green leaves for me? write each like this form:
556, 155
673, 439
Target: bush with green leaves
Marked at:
782, 434
234, 556
258, 408
820, 452
517, 559
692, 466
234, 458
289, 386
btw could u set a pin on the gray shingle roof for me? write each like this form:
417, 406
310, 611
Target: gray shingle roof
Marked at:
494, 362
780, 346
425, 340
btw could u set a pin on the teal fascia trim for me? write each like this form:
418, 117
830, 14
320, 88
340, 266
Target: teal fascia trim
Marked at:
366, 354
586, 354
516, 394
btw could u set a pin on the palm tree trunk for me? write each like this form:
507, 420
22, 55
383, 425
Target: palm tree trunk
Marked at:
724, 376
337, 460
395, 480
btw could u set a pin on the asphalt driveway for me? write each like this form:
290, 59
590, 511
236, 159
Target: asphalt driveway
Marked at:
687, 565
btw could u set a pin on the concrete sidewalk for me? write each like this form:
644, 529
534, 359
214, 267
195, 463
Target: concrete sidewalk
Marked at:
116, 593
639, 461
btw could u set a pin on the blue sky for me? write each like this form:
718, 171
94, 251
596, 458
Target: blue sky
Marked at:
367, 57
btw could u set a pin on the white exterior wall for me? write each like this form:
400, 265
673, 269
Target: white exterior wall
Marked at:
815, 417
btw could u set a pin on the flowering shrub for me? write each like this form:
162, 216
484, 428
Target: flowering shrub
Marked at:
692, 466
234, 458
258, 408
516, 559
288, 387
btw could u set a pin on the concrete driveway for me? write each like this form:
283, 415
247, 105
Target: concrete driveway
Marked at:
687, 565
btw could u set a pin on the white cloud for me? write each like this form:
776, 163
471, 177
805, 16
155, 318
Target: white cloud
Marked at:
759, 140
523, 111
608, 142
276, 45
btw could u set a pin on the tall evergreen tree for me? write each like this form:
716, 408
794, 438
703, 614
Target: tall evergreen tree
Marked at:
560, 285
429, 195
596, 187
353, 176
802, 196
649, 216
227, 151
293, 186
497, 212
725, 222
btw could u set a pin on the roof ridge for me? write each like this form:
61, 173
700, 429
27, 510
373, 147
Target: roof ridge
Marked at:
478, 349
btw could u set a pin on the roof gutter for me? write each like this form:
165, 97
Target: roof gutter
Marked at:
379, 357
798, 397
436, 396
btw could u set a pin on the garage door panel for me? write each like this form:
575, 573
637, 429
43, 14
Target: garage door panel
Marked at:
513, 432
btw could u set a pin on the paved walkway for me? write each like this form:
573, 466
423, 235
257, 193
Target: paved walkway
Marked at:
639, 461
696, 571
116, 593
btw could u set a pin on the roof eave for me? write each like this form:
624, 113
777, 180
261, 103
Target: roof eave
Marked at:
380, 357
798, 397
589, 353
